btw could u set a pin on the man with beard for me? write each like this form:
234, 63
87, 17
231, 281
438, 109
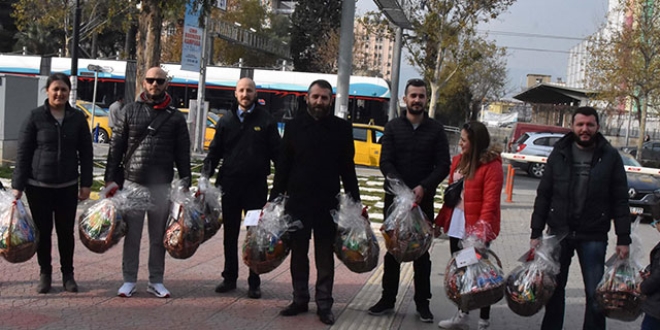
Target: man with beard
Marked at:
246, 138
584, 187
154, 135
317, 151
414, 151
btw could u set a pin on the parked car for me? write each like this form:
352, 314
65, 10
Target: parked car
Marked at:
643, 191
211, 121
100, 118
521, 128
650, 153
367, 144
535, 144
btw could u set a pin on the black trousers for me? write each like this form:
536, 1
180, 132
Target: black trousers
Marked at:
239, 196
421, 266
454, 246
59, 204
323, 229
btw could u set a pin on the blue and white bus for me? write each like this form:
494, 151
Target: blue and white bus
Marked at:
281, 92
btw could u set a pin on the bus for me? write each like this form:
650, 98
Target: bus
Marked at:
281, 92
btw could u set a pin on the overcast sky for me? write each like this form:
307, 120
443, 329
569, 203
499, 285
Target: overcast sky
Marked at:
569, 19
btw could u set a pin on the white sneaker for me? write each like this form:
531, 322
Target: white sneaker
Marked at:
459, 321
126, 290
484, 324
158, 290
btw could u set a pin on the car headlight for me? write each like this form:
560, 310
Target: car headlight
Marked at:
632, 192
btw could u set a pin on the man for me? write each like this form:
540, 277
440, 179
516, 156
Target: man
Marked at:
164, 144
317, 151
113, 111
414, 150
247, 140
584, 186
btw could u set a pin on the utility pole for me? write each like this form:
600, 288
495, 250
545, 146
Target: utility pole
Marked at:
200, 116
73, 96
396, 64
345, 58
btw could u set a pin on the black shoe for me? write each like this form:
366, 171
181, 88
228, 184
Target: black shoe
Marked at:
69, 283
326, 316
425, 314
294, 309
225, 286
381, 307
44, 283
254, 293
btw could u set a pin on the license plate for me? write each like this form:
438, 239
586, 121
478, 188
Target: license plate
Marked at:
636, 210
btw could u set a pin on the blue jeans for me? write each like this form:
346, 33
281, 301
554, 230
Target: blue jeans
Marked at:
650, 323
591, 255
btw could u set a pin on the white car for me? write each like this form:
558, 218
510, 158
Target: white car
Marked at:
535, 144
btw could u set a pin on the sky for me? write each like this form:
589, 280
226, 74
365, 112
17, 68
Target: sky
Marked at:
568, 19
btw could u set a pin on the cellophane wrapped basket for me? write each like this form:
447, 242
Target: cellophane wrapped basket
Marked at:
406, 230
102, 225
185, 225
18, 233
618, 295
267, 244
476, 285
530, 285
209, 200
355, 243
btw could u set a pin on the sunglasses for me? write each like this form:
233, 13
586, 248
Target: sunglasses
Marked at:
159, 81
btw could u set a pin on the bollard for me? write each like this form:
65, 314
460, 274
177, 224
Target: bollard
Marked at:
511, 172
95, 137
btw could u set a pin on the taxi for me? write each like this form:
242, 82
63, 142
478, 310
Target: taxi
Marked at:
366, 138
211, 121
100, 119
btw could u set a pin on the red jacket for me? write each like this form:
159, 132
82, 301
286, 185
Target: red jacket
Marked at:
481, 195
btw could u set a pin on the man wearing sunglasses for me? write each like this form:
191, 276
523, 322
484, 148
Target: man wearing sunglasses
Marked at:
415, 151
149, 137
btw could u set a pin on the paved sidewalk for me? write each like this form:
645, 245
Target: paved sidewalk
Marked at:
194, 304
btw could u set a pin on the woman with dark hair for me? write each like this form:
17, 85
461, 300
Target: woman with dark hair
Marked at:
54, 144
480, 166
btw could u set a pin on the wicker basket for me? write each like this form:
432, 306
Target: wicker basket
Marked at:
182, 238
361, 256
526, 293
16, 252
620, 305
19, 253
263, 252
477, 297
408, 248
100, 239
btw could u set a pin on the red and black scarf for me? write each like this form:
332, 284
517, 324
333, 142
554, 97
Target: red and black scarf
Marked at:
161, 103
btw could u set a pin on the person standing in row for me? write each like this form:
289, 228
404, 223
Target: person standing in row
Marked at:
246, 139
584, 186
317, 152
154, 134
414, 150
113, 111
54, 144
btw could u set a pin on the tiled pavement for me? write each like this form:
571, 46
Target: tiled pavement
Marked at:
195, 305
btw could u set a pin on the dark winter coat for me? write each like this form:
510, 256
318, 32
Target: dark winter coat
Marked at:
651, 286
52, 153
153, 160
607, 195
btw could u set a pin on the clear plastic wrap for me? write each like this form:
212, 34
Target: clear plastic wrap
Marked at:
267, 244
18, 233
479, 284
530, 285
185, 225
407, 230
102, 225
355, 243
618, 295
209, 199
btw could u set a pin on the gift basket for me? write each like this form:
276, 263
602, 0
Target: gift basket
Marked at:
474, 276
185, 225
102, 224
407, 231
266, 244
618, 295
355, 243
530, 285
18, 233
209, 200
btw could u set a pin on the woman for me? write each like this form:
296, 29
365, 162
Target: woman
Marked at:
480, 166
53, 142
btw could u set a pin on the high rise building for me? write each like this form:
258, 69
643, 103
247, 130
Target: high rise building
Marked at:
374, 53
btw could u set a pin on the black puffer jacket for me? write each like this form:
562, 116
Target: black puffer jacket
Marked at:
651, 286
607, 195
51, 153
153, 160
416, 156
246, 148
